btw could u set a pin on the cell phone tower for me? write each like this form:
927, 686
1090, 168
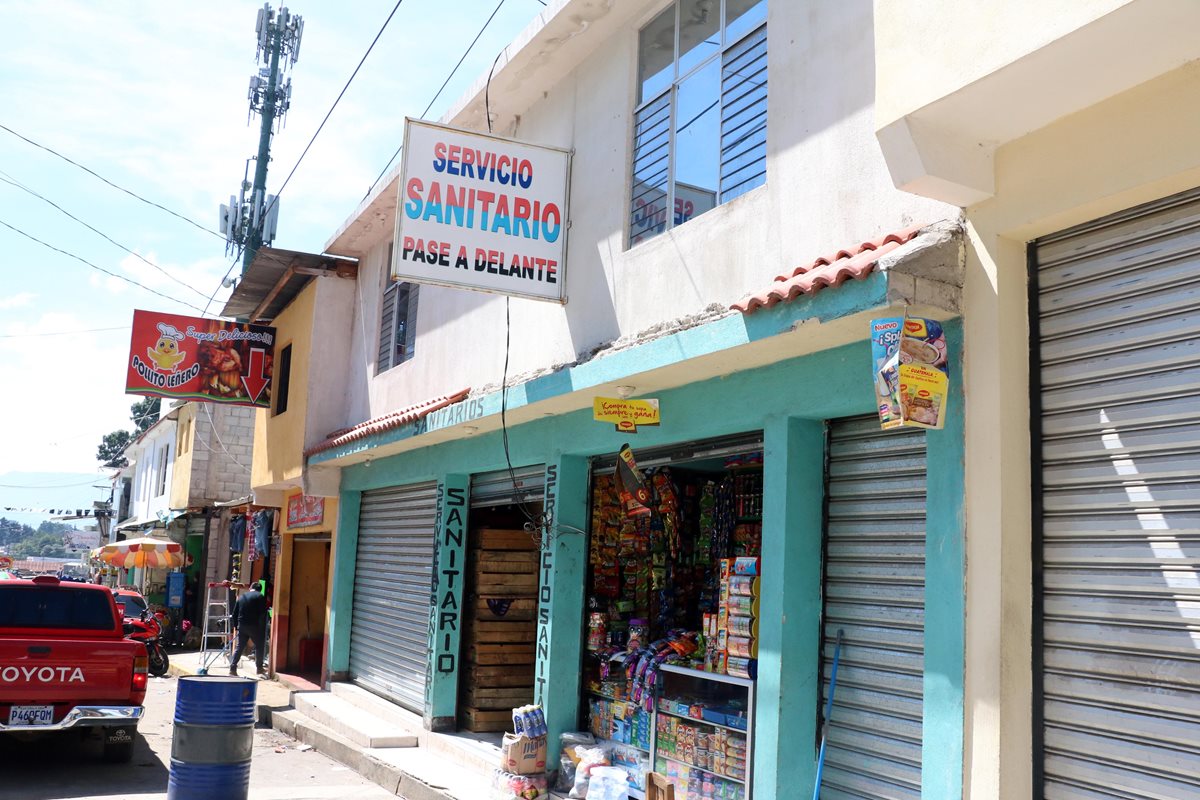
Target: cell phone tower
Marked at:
250, 219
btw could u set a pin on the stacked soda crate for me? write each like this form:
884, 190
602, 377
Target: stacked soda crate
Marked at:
498, 636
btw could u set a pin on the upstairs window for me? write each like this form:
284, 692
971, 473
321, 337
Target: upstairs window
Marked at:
397, 320
283, 371
700, 126
160, 478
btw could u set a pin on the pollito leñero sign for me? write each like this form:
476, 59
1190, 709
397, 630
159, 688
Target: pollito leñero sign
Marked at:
481, 212
171, 355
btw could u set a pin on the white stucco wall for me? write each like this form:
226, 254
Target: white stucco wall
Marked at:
827, 188
145, 459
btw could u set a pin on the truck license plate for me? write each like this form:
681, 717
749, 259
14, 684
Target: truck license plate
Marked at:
31, 715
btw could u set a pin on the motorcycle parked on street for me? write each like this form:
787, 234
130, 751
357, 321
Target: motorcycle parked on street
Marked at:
148, 629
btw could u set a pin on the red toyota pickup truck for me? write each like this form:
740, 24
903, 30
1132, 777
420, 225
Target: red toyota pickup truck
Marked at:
65, 663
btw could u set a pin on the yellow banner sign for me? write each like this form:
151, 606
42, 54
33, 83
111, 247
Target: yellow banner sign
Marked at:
626, 415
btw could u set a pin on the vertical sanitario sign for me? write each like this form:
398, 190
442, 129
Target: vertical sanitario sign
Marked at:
482, 212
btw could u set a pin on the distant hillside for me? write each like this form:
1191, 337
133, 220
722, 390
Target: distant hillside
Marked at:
34, 497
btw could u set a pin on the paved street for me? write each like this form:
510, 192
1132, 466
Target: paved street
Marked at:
69, 767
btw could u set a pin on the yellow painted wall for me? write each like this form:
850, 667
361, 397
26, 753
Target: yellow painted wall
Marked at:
928, 49
302, 593
1135, 147
185, 444
279, 438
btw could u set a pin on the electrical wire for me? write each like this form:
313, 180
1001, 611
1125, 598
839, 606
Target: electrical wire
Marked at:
101, 269
461, 59
62, 333
237, 257
329, 113
95, 174
11, 181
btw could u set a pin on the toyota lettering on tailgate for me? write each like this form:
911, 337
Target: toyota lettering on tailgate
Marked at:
42, 674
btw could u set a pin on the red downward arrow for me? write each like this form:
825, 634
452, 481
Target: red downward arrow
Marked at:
255, 381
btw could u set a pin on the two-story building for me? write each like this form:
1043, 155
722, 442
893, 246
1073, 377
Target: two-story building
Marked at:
188, 474
733, 231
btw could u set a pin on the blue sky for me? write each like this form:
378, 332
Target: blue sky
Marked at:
153, 97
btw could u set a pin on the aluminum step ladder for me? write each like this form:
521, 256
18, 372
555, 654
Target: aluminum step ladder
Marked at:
218, 618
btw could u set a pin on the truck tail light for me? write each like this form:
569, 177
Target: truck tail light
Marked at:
141, 670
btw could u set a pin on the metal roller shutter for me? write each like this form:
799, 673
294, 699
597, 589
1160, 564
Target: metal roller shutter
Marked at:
389, 633
496, 488
874, 590
1117, 454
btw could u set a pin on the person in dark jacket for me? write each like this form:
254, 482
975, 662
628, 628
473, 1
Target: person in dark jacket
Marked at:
250, 622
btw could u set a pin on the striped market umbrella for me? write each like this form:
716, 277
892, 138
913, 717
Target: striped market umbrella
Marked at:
143, 552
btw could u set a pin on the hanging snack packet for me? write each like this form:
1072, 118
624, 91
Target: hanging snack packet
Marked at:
634, 492
911, 373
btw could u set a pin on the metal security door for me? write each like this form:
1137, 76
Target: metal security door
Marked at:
874, 590
490, 489
1116, 447
389, 633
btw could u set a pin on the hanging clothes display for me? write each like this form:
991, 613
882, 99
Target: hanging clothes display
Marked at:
262, 524
237, 533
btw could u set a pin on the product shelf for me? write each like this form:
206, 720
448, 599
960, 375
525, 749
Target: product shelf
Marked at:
690, 765
729, 728
707, 676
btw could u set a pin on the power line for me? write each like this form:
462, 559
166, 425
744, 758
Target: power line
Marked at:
95, 174
329, 113
13, 182
63, 486
62, 333
439, 91
95, 267
236, 258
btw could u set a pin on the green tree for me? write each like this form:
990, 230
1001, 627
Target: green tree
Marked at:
12, 531
111, 450
53, 528
40, 545
144, 413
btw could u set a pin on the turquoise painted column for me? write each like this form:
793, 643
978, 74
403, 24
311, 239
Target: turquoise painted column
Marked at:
341, 595
789, 628
446, 608
945, 598
560, 597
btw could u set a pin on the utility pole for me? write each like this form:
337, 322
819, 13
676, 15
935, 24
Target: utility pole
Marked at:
249, 222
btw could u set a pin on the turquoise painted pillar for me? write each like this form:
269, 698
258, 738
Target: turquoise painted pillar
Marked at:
446, 608
789, 629
341, 595
945, 598
560, 597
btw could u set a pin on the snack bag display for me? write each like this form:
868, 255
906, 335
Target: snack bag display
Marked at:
911, 373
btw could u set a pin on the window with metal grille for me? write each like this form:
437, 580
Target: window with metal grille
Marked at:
700, 126
397, 320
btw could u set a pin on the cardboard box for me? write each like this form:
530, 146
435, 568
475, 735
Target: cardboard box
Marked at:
523, 755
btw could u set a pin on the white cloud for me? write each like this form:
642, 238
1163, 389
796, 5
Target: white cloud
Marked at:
18, 300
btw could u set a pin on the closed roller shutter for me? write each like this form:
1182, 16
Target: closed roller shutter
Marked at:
497, 488
389, 633
875, 592
1117, 454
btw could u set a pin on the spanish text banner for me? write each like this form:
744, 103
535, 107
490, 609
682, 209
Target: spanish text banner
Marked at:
482, 212
626, 415
180, 357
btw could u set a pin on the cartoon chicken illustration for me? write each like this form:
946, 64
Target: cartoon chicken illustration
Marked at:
166, 354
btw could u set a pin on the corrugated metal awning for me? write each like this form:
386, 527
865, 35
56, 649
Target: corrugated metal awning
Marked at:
275, 277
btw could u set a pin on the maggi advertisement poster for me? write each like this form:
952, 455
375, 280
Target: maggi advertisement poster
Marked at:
481, 212
912, 377
190, 358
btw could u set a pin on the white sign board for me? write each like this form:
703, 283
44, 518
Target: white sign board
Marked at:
481, 212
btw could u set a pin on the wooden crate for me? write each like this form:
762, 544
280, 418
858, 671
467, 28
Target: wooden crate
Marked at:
498, 675
488, 632
499, 698
519, 608
480, 720
493, 654
499, 539
502, 584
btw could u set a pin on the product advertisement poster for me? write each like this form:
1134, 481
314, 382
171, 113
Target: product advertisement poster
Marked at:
626, 415
482, 212
175, 356
912, 377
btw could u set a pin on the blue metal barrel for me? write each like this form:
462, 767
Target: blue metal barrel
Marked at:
213, 738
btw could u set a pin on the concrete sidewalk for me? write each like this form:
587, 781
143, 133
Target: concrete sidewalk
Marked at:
377, 739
